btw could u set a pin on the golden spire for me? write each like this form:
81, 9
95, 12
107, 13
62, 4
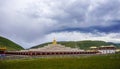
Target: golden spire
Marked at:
54, 42
3, 48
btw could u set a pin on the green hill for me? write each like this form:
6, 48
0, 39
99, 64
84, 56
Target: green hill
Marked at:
81, 44
10, 45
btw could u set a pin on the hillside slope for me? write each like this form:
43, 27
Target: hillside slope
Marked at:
81, 44
10, 45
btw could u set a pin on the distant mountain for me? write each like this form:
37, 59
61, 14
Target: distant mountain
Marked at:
81, 44
10, 45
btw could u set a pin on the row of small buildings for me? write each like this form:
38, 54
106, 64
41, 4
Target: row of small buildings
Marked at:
104, 49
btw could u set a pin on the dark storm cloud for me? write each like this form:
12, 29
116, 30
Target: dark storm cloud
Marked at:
107, 29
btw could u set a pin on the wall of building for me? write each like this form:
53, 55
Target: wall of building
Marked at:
106, 51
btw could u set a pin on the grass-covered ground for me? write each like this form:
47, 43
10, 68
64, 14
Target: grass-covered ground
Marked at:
84, 62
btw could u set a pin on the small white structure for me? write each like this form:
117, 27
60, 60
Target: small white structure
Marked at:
107, 49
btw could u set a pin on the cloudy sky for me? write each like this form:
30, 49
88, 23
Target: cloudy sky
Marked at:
32, 22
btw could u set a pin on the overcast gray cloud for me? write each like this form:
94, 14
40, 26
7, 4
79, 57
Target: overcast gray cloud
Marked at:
28, 22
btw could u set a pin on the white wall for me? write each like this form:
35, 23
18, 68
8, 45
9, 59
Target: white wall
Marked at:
106, 51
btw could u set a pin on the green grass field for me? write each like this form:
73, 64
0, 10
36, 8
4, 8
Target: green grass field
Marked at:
90, 62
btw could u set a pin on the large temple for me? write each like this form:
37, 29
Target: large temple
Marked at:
54, 47
58, 49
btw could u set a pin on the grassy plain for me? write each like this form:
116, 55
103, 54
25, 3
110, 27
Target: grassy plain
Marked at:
84, 62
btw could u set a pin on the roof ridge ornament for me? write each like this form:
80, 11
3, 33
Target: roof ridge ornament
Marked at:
54, 41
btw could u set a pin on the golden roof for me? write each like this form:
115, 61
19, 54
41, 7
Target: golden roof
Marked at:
3, 48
